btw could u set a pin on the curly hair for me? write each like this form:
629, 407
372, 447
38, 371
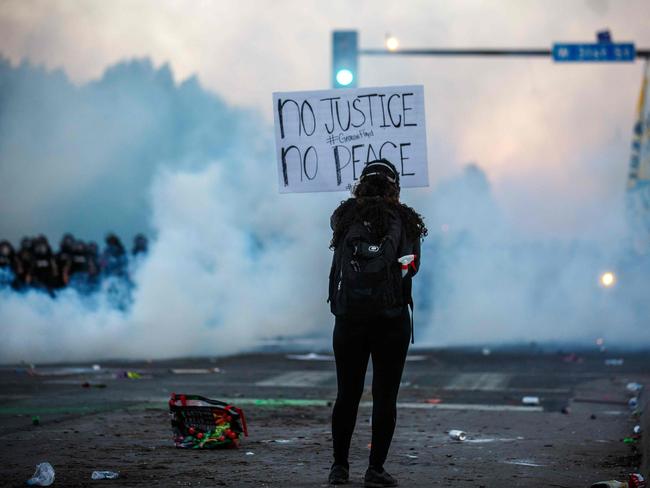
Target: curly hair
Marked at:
373, 200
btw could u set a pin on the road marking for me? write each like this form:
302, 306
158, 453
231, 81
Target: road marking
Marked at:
479, 382
298, 379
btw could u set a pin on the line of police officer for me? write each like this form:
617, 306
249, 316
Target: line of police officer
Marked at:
77, 264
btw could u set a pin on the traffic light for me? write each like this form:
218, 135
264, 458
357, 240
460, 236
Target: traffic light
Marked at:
345, 46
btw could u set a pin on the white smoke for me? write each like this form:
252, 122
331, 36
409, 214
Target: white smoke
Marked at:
232, 261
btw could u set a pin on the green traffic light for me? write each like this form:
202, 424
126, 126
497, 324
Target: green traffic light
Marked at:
344, 77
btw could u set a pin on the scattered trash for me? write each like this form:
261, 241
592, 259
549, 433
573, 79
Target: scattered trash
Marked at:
634, 387
87, 384
36, 420
629, 440
250, 453
104, 475
637, 429
411, 456
96, 367
486, 351
433, 401
610, 484
457, 435
592, 416
614, 362
132, 375
633, 402
530, 400
43, 476
312, 356
194, 370
282, 441
636, 480
524, 462
566, 410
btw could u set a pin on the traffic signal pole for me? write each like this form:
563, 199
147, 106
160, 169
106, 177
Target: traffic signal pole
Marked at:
640, 53
346, 52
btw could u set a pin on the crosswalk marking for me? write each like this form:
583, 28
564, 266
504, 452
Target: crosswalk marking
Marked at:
298, 378
479, 382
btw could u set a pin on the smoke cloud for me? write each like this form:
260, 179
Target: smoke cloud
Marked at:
232, 261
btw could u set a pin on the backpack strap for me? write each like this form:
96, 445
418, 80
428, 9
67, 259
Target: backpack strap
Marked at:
410, 302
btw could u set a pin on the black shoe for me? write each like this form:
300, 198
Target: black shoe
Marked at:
378, 479
339, 475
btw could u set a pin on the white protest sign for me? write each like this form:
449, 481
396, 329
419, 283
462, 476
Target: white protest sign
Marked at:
325, 138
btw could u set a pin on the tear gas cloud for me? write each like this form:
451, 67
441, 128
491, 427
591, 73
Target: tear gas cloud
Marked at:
232, 261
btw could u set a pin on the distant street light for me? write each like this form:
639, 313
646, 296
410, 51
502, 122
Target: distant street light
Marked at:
607, 279
392, 43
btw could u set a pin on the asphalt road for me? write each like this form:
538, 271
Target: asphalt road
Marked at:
119, 423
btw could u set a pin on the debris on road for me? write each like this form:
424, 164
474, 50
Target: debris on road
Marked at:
634, 387
43, 476
614, 362
87, 384
104, 475
194, 370
457, 435
36, 420
312, 356
433, 401
635, 480
524, 462
610, 484
530, 400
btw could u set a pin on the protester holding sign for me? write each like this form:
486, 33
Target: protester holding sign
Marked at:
369, 293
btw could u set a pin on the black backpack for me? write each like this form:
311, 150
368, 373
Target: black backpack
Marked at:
365, 277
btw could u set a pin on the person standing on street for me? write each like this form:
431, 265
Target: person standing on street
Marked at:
376, 243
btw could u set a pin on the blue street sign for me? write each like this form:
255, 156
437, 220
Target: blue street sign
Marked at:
594, 52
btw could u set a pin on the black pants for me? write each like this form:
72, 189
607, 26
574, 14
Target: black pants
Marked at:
387, 341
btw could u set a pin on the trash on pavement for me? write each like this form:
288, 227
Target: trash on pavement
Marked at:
36, 420
199, 422
637, 429
633, 402
312, 356
457, 435
614, 362
566, 410
486, 351
87, 384
636, 480
610, 484
250, 453
104, 475
433, 401
634, 387
530, 400
195, 370
96, 367
411, 456
43, 476
629, 440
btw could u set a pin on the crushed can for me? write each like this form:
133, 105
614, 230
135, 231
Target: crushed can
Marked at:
457, 435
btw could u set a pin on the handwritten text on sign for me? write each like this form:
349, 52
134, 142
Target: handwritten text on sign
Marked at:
325, 138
